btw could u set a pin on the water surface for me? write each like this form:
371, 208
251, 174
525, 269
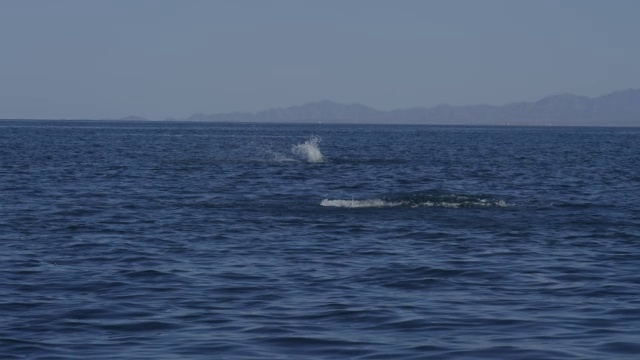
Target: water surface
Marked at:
145, 240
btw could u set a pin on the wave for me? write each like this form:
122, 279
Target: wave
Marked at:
309, 150
418, 201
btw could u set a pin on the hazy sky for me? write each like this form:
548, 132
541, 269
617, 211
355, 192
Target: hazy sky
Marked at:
161, 58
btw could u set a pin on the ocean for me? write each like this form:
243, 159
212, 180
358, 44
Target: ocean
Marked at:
160, 240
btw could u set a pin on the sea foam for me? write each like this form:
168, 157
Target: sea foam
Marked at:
373, 203
452, 201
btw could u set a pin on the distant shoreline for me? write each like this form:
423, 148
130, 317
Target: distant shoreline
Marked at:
619, 108
323, 123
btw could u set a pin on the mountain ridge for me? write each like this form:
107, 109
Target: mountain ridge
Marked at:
621, 108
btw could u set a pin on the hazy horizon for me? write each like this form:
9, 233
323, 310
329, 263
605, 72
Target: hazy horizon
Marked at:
160, 59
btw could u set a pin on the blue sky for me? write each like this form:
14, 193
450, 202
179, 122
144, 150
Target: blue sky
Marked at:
160, 58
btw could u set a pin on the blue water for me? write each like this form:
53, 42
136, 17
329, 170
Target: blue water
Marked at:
125, 240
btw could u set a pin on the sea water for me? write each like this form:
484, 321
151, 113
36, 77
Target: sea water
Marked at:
153, 240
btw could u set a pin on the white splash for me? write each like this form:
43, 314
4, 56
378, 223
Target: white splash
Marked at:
309, 150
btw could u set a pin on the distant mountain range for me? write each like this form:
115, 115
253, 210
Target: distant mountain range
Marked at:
620, 108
